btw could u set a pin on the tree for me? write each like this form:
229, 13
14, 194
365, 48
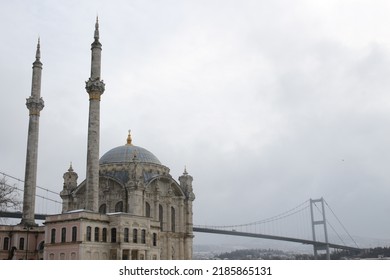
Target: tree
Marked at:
8, 195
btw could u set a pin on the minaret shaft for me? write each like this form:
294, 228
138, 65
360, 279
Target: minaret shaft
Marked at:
95, 88
34, 104
96, 62
92, 179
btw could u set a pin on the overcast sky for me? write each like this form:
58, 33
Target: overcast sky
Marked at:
267, 103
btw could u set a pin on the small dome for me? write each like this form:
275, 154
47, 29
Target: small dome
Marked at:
128, 153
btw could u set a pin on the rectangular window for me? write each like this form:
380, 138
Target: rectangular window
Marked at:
63, 235
6, 243
154, 239
126, 235
104, 235
161, 217
53, 235
173, 219
89, 233
143, 236
147, 209
113, 235
21, 243
74, 234
125, 254
135, 237
97, 234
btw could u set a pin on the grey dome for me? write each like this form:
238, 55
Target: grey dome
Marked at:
128, 153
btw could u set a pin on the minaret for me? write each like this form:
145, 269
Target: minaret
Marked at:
95, 88
34, 104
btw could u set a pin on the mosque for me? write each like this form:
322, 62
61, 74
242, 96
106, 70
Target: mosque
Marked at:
128, 208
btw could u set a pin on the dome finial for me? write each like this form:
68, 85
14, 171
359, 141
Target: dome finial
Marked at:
129, 140
185, 171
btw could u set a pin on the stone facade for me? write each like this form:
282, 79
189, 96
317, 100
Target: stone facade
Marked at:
22, 242
86, 235
135, 196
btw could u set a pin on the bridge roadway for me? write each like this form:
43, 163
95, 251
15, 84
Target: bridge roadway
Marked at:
317, 244
224, 232
18, 215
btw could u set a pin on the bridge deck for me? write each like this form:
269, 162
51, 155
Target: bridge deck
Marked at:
18, 215
274, 237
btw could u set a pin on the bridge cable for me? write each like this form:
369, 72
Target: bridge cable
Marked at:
20, 180
37, 195
341, 224
271, 219
328, 223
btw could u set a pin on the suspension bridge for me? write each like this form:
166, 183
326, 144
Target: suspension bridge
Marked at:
312, 222
306, 223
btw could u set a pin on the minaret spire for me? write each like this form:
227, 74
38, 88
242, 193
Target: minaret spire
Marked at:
38, 52
96, 48
97, 29
95, 88
35, 105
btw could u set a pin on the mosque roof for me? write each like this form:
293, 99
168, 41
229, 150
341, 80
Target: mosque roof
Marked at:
129, 153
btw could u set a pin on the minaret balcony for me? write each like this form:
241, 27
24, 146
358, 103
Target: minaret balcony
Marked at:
95, 87
35, 105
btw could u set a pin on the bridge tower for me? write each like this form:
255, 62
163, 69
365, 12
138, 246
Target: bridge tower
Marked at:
319, 222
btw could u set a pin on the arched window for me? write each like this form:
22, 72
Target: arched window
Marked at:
143, 236
161, 217
119, 206
126, 235
63, 235
53, 235
6, 243
135, 235
104, 235
97, 231
113, 235
89, 233
173, 219
103, 209
21, 243
147, 210
74, 234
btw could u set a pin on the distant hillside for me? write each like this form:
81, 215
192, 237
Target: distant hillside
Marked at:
269, 254
261, 254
